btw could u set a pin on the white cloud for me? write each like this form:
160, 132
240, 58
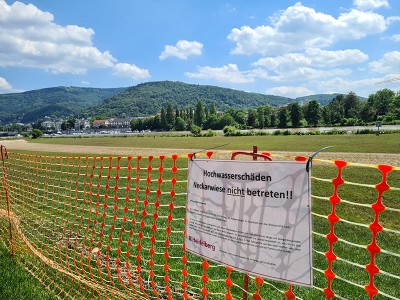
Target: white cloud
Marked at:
312, 64
289, 91
312, 58
30, 38
388, 79
4, 85
370, 4
390, 63
130, 71
182, 50
362, 87
392, 19
305, 73
20, 13
395, 37
228, 74
300, 27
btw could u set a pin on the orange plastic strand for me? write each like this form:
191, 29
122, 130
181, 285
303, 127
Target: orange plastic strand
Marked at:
333, 219
154, 227
259, 282
103, 224
68, 208
125, 267
168, 229
184, 269
90, 233
71, 239
82, 213
116, 208
205, 278
133, 222
6, 188
289, 293
229, 284
142, 225
375, 228
301, 158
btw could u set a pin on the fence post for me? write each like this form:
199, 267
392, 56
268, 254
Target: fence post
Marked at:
4, 155
255, 155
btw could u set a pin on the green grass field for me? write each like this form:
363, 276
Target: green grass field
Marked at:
60, 189
16, 283
384, 143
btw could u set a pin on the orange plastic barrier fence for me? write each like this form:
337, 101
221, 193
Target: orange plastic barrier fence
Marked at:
114, 228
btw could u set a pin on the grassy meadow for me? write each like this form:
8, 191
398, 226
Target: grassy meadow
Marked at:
16, 282
62, 204
369, 143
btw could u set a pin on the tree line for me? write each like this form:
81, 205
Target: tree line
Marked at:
343, 110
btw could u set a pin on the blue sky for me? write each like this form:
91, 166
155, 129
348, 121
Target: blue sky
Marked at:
284, 48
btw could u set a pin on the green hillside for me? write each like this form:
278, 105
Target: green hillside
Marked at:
141, 100
148, 98
322, 99
56, 101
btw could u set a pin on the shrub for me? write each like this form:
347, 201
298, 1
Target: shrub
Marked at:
350, 122
210, 133
195, 130
365, 131
389, 118
250, 133
298, 133
36, 133
230, 131
336, 131
276, 132
261, 133
315, 132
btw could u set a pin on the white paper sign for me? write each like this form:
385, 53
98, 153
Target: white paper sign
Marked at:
254, 216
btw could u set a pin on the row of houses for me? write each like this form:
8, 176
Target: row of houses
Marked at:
112, 123
86, 124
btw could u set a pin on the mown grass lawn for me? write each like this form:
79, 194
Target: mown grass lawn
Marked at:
365, 143
17, 283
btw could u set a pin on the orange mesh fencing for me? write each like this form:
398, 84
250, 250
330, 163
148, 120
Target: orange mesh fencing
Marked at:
114, 228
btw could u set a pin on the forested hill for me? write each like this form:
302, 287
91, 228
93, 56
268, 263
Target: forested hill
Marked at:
141, 100
56, 101
148, 98
322, 99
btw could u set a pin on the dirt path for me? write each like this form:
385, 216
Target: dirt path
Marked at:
364, 158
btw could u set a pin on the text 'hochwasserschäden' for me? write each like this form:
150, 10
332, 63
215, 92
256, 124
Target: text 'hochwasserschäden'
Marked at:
233, 176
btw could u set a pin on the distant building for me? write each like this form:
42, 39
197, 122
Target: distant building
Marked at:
120, 123
48, 125
51, 125
86, 124
100, 123
57, 125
